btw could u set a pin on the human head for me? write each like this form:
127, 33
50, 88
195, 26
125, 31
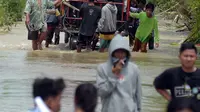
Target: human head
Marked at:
120, 53
188, 55
181, 105
110, 0
149, 8
85, 98
50, 91
91, 1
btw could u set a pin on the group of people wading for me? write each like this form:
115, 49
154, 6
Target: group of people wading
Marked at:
42, 22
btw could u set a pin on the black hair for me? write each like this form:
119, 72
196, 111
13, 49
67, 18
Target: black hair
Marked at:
150, 6
86, 97
46, 87
127, 52
110, 0
187, 45
180, 104
141, 1
91, 0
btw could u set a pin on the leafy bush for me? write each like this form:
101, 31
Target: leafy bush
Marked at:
10, 12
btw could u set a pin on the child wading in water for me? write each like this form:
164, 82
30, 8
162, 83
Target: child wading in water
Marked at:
148, 23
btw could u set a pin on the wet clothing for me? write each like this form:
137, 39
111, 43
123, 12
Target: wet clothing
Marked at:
108, 21
119, 95
175, 79
104, 43
37, 13
33, 35
138, 45
91, 16
82, 39
146, 26
151, 41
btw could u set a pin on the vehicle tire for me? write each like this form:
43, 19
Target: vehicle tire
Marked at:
73, 42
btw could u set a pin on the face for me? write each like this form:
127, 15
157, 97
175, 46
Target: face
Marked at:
185, 110
120, 54
188, 58
54, 103
78, 109
149, 12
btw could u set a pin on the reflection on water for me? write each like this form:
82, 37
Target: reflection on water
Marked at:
19, 68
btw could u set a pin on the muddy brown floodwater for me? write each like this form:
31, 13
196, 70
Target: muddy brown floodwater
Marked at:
19, 66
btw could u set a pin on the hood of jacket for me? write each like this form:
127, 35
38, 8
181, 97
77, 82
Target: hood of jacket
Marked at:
119, 42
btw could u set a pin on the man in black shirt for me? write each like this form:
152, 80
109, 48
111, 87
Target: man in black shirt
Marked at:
182, 81
90, 16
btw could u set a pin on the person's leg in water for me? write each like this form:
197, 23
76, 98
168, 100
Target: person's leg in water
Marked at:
42, 36
144, 47
34, 45
33, 36
49, 37
137, 45
88, 42
95, 41
151, 41
80, 42
57, 36
103, 44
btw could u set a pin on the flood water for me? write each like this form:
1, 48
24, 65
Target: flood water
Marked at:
19, 67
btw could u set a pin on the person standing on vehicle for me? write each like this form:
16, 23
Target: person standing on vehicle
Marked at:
118, 80
183, 81
107, 24
90, 16
35, 11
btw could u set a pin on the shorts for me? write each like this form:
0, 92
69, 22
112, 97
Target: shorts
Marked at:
104, 43
33, 35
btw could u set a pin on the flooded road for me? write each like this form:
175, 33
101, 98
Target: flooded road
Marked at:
19, 66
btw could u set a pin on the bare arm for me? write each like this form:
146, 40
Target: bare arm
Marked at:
165, 94
27, 18
27, 11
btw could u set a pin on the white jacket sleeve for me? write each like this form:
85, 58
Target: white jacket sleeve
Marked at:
138, 91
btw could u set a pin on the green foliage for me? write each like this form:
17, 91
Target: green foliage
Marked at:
190, 10
195, 11
10, 12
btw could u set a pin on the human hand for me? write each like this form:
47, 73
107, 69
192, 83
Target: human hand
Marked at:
157, 45
117, 68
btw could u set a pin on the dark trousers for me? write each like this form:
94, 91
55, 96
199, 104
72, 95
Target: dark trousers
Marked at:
151, 41
50, 33
84, 40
